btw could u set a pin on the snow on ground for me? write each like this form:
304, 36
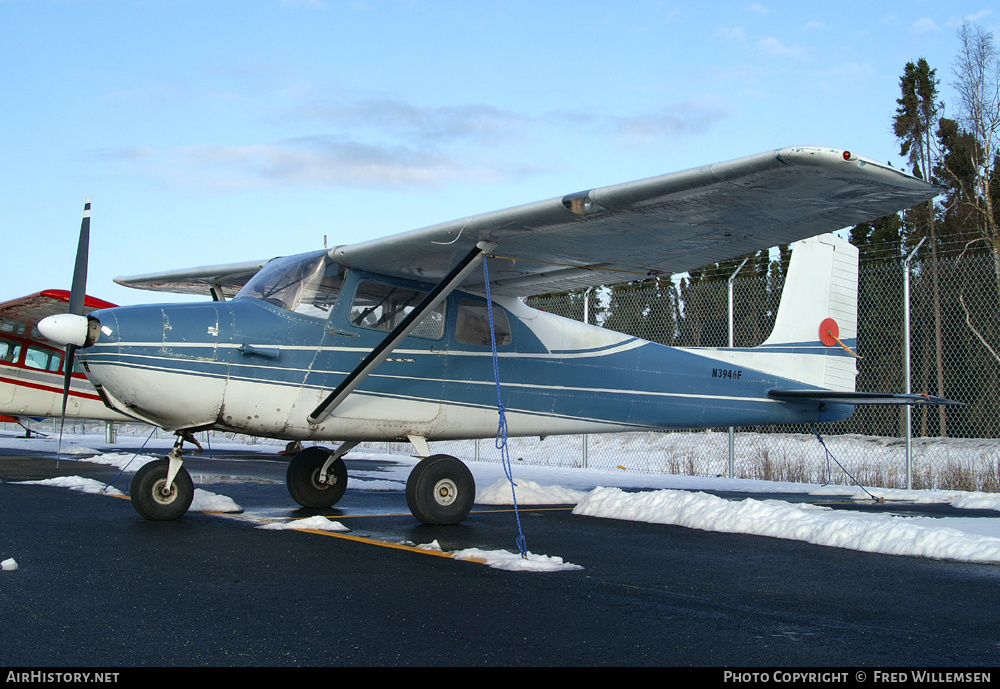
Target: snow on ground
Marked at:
84, 485
502, 559
617, 494
317, 523
875, 533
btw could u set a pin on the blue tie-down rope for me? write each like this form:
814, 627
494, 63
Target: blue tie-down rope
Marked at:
501, 438
122, 470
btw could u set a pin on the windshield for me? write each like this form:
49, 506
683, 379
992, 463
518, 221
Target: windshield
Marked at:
308, 284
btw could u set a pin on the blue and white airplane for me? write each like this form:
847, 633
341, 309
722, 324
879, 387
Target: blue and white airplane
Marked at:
394, 338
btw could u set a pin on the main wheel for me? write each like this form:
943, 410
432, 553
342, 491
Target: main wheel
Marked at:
303, 481
151, 498
440, 490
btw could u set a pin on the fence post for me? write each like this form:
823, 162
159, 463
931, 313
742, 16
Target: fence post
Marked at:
906, 359
586, 319
732, 431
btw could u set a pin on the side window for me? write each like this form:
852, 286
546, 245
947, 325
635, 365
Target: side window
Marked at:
473, 326
9, 351
382, 307
41, 359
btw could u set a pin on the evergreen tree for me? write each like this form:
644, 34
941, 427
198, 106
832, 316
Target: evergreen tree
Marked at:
916, 117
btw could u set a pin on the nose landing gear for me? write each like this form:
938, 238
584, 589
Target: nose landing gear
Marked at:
162, 490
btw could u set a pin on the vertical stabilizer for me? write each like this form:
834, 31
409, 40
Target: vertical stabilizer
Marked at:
816, 328
818, 314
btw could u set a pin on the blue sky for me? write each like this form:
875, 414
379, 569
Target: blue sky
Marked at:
219, 131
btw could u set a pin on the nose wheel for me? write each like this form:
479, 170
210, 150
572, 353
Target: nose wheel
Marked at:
162, 490
440, 490
158, 498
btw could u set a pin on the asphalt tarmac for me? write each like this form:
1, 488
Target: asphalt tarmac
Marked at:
99, 587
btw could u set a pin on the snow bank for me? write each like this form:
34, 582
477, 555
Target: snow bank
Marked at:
884, 534
84, 485
318, 523
206, 501
203, 500
528, 493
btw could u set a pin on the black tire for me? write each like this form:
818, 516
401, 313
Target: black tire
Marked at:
303, 474
149, 499
440, 490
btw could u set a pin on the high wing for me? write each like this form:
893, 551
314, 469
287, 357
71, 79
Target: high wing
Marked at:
227, 278
657, 226
661, 225
21, 315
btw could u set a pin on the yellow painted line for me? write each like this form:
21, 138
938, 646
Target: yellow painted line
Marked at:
374, 541
387, 544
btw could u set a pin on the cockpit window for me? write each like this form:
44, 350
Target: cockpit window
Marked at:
307, 284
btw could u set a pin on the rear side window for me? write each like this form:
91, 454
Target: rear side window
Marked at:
473, 326
9, 351
380, 306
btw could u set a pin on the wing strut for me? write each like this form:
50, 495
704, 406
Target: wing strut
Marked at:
437, 295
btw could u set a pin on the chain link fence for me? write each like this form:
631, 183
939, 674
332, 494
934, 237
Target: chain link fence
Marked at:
954, 345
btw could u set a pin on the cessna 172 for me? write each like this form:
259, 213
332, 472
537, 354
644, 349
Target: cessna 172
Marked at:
394, 338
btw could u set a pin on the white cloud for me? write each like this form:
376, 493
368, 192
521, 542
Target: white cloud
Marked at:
773, 46
971, 18
416, 123
925, 25
734, 33
693, 116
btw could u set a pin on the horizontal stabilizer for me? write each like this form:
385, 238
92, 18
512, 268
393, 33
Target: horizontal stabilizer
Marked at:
848, 397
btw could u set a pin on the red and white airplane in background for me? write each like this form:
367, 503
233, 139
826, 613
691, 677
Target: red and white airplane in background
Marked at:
32, 369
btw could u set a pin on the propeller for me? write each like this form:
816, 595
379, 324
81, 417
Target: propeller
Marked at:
65, 328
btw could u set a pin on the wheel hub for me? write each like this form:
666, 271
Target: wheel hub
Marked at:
445, 491
321, 481
162, 494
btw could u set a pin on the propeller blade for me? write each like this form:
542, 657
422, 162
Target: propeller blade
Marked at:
77, 297
78, 291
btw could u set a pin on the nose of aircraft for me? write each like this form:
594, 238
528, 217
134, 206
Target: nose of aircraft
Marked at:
159, 363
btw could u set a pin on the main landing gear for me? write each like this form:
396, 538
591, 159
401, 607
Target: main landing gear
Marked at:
440, 489
316, 477
162, 490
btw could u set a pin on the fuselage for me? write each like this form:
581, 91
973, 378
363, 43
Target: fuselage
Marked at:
260, 366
